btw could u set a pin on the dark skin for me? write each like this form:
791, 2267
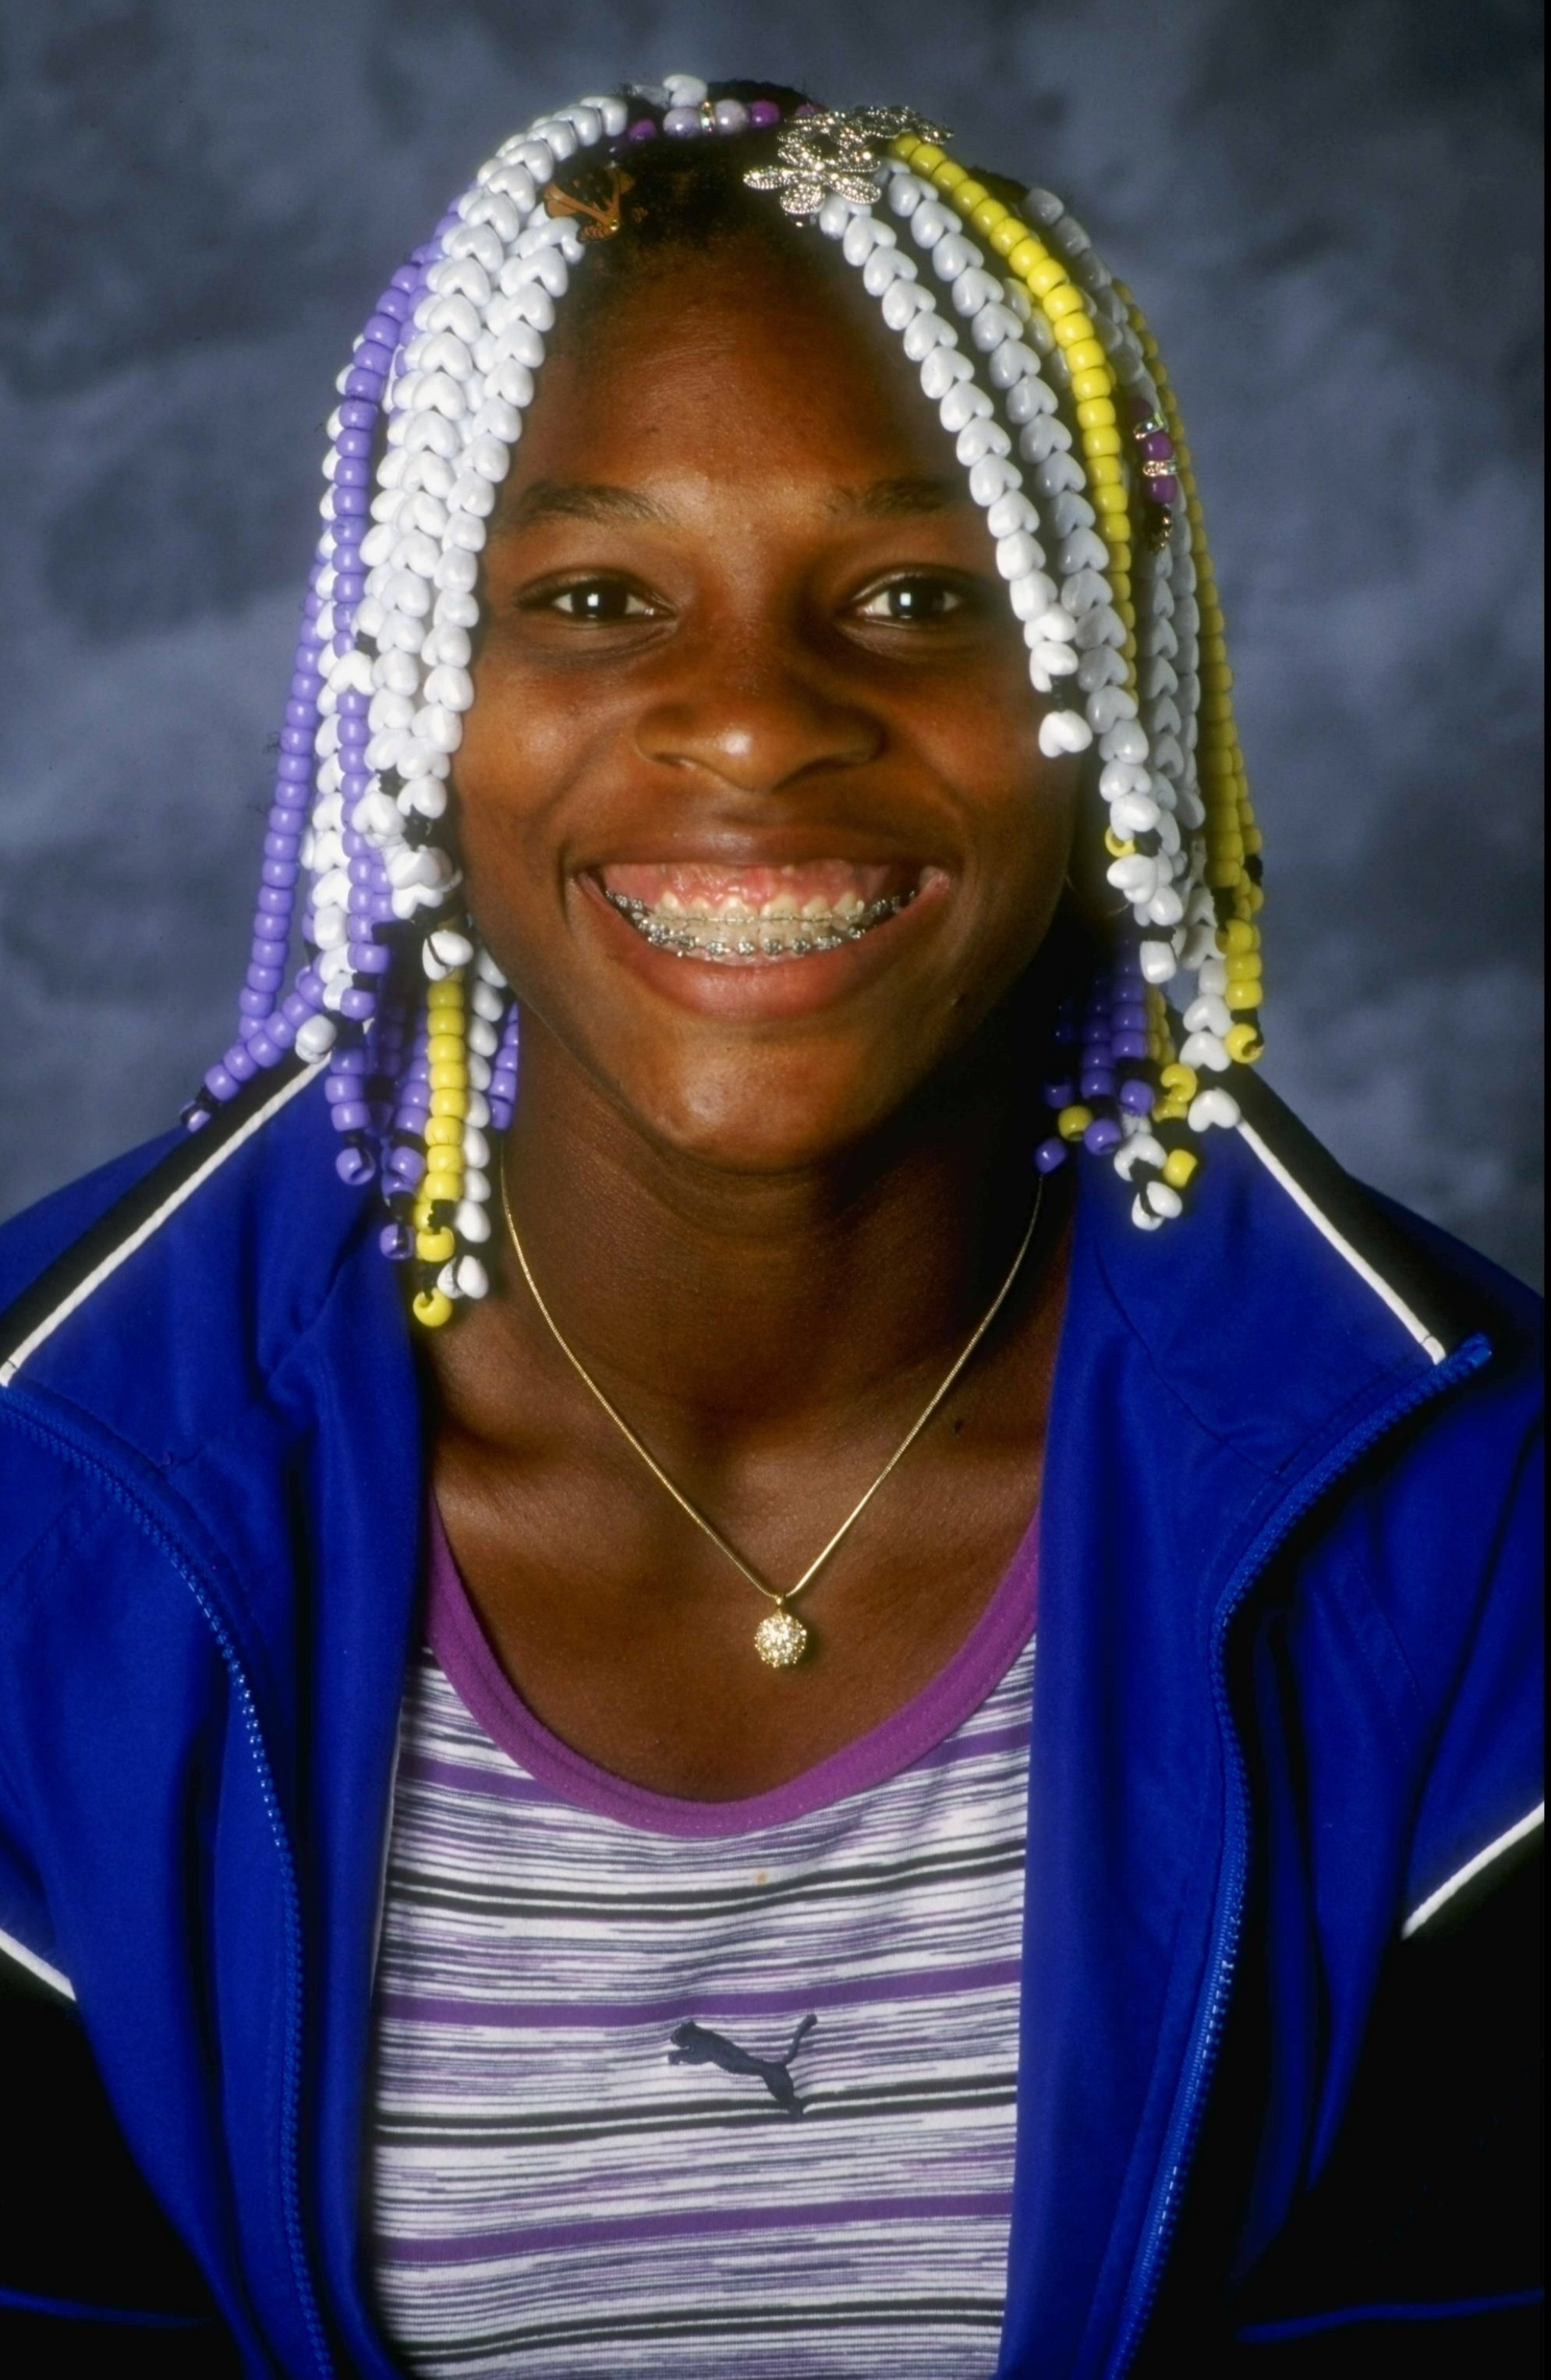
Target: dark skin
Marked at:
766, 1205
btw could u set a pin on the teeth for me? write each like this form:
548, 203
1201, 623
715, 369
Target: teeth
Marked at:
693, 928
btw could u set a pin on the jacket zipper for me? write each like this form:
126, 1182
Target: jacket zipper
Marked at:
1201, 2058
291, 2110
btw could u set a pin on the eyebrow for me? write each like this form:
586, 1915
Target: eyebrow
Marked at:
897, 499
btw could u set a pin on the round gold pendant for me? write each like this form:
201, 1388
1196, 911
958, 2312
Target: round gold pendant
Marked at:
780, 1640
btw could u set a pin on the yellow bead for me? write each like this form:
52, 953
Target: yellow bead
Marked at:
1098, 413
948, 175
443, 1132
1071, 331
435, 1247
1244, 991
1084, 355
1222, 874
1170, 1111
1243, 1043
1116, 847
1064, 300
1089, 383
1178, 1167
1181, 1080
444, 1189
1253, 840
449, 1078
970, 194
1048, 273
1104, 470
432, 1308
1236, 936
1255, 895
1072, 1122
446, 1050
445, 992
926, 156
1099, 441
449, 1103
1009, 235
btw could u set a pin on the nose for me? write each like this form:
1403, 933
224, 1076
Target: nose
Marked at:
758, 730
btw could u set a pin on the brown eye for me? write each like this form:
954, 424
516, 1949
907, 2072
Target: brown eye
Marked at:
914, 603
599, 602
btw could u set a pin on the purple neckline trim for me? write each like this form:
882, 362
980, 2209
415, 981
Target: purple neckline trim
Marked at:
959, 1688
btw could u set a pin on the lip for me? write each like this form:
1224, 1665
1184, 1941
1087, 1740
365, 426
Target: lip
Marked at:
760, 990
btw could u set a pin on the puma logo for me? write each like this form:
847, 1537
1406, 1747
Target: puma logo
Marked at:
696, 2045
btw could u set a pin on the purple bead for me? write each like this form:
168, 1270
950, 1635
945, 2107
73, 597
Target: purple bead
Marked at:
281, 845
353, 445
354, 414
396, 1242
381, 330
266, 1049
274, 903
407, 279
238, 1062
807, 108
348, 1060
296, 1010
295, 766
281, 874
1060, 1095
1157, 446
310, 987
762, 112
407, 1165
682, 123
363, 384
1101, 1136
393, 305
350, 1115
1136, 1096
357, 1005
266, 980
340, 1087
220, 1084
1129, 1016
1164, 491
252, 1001
370, 958
295, 740
1096, 1083
642, 129
1131, 1045
353, 704
349, 500
354, 1167
349, 473
1049, 1154
349, 585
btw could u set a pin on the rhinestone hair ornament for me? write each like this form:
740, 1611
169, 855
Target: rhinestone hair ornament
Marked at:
1053, 394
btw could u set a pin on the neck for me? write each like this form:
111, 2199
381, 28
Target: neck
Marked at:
750, 1304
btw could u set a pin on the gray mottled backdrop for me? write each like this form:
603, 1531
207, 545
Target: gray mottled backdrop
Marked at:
1328, 207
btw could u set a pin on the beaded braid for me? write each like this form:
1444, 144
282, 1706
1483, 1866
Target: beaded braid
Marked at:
437, 386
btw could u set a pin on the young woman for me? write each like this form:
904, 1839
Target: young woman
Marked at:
531, 1835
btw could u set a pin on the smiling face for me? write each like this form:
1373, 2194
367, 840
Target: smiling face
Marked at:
750, 800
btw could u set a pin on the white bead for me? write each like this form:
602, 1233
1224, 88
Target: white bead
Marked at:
474, 492
447, 646
1165, 908
330, 927
1063, 731
486, 1001
1110, 705
1143, 1216
862, 235
1118, 777
1010, 514
1210, 1014
518, 340
1124, 741
614, 112
943, 367
1018, 555
496, 420
883, 268
457, 570
388, 709
456, 611
953, 255
396, 672
438, 393
586, 122
1211, 1108
471, 1222
1204, 1050
478, 1079
484, 1041
377, 815
453, 689
834, 216
415, 552
441, 728
489, 970
1051, 660
993, 327
685, 89
515, 182
1136, 875
493, 207
315, 1039
476, 239
1100, 626
973, 288
447, 353
1057, 473
1212, 977
977, 438
489, 458
476, 1184
992, 477
425, 795
466, 528
1032, 593
902, 300
424, 513
1140, 1147
929, 222
1164, 1199
509, 382
472, 1279
1027, 397
926, 332
1012, 362
378, 543
1057, 626
1133, 814
546, 266
430, 431
1157, 962
906, 193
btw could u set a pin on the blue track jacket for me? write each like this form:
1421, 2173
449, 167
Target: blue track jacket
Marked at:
1285, 1773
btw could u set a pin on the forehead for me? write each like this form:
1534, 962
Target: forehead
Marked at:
736, 364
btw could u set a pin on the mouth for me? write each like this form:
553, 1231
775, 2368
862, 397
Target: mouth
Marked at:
753, 915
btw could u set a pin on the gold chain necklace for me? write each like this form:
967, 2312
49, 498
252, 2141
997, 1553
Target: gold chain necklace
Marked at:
780, 1638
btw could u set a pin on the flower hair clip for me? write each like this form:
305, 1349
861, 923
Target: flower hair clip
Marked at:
602, 211
836, 152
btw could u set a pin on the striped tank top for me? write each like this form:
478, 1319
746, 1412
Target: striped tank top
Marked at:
677, 2088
